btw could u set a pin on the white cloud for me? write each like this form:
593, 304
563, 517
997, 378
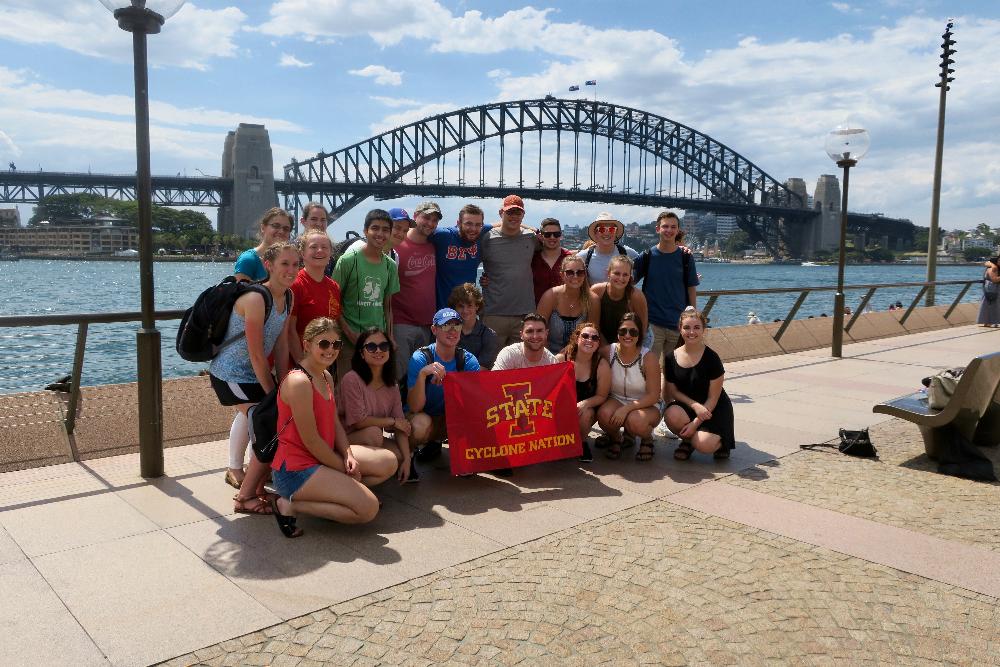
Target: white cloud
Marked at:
288, 60
410, 115
190, 39
382, 75
844, 8
498, 73
395, 102
8, 149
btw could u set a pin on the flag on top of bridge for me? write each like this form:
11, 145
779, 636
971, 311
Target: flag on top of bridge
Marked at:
572, 88
592, 82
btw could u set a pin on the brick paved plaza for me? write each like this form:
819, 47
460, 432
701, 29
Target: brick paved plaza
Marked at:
776, 556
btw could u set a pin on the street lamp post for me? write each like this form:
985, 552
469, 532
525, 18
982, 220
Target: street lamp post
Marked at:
142, 17
947, 50
845, 145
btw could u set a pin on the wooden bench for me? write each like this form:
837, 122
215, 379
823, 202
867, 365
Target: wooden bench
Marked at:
973, 396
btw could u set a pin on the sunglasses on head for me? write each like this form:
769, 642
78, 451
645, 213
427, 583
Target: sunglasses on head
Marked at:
325, 344
551, 235
628, 331
372, 348
575, 273
593, 337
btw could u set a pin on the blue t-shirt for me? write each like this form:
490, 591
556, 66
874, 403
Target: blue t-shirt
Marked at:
457, 260
434, 405
248, 263
664, 286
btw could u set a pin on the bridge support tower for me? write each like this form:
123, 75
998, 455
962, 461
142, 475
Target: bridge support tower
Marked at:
247, 160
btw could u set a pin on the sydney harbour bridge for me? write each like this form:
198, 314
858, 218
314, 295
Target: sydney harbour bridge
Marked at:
544, 149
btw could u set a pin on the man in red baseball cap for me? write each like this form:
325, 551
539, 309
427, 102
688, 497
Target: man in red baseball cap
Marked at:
507, 252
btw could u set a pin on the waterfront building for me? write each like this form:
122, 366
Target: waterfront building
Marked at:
247, 160
725, 225
104, 236
10, 217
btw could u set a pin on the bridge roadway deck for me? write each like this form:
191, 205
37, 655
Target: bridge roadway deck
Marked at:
776, 555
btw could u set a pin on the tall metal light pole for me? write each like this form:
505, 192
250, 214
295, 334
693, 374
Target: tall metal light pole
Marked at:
845, 145
932, 237
141, 18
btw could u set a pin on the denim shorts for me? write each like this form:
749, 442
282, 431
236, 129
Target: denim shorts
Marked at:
287, 482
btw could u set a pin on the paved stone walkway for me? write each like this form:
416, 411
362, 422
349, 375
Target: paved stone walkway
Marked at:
662, 584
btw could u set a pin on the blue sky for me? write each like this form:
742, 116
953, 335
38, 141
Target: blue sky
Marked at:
768, 79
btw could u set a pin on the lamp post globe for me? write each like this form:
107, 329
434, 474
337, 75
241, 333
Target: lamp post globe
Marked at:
141, 18
845, 144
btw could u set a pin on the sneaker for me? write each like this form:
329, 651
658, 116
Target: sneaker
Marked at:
587, 455
414, 475
428, 452
663, 432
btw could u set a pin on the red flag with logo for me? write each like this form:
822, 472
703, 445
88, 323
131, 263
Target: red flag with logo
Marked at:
506, 419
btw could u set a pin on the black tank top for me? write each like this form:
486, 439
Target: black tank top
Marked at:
611, 315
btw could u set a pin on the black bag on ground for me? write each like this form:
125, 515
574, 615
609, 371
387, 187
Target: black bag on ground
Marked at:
852, 443
262, 420
200, 335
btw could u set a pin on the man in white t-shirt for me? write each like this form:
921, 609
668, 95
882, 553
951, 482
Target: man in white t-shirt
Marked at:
531, 351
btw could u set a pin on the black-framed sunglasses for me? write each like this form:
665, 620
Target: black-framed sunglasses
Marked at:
575, 273
628, 331
372, 348
325, 344
593, 337
551, 235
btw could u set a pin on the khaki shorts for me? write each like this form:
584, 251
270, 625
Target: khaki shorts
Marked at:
664, 342
507, 328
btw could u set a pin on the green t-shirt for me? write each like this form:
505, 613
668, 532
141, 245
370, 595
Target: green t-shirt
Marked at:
365, 288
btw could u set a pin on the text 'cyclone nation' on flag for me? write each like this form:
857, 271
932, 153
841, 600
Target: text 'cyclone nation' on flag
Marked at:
504, 419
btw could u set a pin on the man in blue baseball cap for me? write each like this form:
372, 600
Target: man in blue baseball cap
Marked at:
425, 375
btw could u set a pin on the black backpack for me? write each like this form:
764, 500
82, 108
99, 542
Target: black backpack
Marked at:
590, 254
262, 420
459, 357
200, 336
642, 269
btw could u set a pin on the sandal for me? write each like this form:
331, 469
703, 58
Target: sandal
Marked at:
231, 480
645, 451
286, 523
259, 506
615, 450
602, 442
683, 451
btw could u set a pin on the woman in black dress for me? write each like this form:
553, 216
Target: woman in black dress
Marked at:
698, 409
593, 378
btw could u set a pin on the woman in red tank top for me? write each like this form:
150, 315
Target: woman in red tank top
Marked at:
314, 470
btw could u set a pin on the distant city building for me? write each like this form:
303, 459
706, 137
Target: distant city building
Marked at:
977, 242
725, 225
10, 217
103, 238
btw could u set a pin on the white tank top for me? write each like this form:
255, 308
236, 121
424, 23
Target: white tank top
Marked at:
628, 381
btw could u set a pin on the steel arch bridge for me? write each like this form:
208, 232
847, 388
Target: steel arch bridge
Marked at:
588, 151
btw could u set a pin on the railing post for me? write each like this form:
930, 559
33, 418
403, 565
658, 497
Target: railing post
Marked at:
708, 306
958, 300
913, 305
860, 309
791, 315
74, 387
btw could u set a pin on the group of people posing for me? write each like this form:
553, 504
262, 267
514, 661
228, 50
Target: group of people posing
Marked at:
359, 345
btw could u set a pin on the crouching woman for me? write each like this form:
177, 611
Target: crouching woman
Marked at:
314, 470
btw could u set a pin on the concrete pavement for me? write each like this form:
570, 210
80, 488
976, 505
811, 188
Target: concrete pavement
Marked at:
774, 554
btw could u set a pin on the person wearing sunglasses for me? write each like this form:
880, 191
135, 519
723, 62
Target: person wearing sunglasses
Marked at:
425, 383
605, 234
564, 306
371, 408
314, 468
546, 265
633, 403
593, 378
275, 227
699, 410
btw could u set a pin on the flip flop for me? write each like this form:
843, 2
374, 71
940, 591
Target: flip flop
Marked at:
231, 480
286, 524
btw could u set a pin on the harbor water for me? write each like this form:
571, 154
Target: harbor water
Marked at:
33, 357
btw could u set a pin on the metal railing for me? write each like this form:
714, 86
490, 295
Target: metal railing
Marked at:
803, 292
83, 321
